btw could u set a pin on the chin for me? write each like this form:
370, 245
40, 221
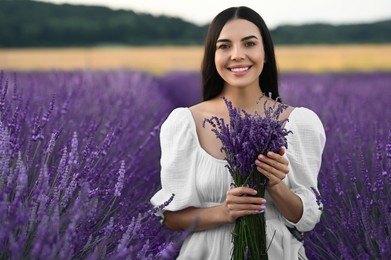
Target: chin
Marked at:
240, 84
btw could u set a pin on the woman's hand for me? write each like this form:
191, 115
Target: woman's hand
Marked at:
238, 203
274, 166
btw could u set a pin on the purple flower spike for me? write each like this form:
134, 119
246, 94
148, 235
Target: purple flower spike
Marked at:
243, 139
120, 182
248, 135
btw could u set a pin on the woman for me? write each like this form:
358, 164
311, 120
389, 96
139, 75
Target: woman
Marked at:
239, 63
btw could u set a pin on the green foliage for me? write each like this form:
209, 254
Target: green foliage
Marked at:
25, 23
377, 32
29, 23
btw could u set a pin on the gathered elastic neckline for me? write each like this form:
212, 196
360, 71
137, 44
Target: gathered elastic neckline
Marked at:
194, 131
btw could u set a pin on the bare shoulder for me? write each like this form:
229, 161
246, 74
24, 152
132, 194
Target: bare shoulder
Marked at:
197, 107
203, 106
206, 109
286, 113
199, 111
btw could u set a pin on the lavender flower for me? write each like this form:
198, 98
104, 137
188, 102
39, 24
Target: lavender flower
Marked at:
243, 139
162, 206
120, 182
73, 155
355, 192
3, 93
43, 173
5, 153
125, 239
51, 144
246, 136
21, 186
32, 224
388, 146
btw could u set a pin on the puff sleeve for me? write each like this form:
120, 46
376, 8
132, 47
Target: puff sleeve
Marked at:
305, 148
178, 162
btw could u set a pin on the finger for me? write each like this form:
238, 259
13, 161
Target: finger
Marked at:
281, 165
270, 172
242, 213
277, 157
246, 207
239, 191
233, 207
272, 167
231, 199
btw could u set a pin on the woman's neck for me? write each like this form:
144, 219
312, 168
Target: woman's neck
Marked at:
243, 98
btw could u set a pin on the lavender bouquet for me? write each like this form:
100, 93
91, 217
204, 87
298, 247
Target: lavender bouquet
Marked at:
243, 139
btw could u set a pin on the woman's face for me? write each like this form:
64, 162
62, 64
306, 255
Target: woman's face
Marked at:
240, 55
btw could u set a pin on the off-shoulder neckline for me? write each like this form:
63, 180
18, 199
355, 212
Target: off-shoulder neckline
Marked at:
194, 132
200, 148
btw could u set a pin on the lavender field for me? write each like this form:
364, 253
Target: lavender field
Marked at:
79, 160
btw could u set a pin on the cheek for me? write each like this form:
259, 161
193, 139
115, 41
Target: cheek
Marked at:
219, 63
260, 55
218, 60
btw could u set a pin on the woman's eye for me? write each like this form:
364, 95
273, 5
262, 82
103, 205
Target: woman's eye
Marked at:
249, 44
223, 46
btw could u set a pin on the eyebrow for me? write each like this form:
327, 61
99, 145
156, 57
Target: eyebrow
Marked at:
243, 39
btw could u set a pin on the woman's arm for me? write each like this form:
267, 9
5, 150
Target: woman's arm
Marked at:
237, 204
275, 167
286, 201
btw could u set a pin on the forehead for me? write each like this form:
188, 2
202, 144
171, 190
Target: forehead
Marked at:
239, 28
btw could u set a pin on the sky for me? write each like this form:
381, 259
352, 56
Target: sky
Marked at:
274, 12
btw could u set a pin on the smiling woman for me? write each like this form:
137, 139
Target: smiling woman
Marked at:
239, 64
232, 48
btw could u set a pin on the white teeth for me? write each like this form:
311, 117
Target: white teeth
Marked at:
239, 69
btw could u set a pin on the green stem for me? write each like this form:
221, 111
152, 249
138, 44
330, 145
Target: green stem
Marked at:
249, 234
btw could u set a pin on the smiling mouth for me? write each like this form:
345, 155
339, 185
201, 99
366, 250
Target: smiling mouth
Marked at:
242, 69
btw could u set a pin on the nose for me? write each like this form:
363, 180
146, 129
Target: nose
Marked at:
237, 53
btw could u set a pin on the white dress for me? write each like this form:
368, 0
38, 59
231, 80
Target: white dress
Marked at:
200, 180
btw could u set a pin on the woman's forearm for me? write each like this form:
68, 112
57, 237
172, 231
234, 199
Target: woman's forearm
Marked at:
203, 218
286, 201
236, 205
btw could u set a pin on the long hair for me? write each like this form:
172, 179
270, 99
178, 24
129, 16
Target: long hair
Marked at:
212, 83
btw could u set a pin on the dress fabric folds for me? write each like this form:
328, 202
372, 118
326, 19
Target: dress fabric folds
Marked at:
200, 180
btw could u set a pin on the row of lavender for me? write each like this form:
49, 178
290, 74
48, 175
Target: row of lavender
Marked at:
356, 171
79, 160
79, 157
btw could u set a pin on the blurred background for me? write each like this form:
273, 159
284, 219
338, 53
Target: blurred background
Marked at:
161, 36
86, 84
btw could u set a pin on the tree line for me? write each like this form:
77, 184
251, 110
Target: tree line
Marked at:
26, 23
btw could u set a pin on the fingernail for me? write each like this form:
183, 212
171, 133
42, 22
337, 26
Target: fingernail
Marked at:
260, 211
